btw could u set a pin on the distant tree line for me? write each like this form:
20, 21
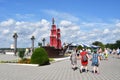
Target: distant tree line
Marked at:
108, 45
12, 49
114, 45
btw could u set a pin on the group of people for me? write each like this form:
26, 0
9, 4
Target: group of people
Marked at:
116, 53
84, 58
104, 53
28, 51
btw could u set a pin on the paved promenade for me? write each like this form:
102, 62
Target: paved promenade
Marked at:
61, 70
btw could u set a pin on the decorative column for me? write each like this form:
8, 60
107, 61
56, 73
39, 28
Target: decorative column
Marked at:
15, 36
43, 40
32, 38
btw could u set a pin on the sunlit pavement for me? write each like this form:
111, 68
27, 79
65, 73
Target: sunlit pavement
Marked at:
60, 70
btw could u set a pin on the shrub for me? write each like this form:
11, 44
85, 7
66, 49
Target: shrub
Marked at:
40, 57
21, 54
25, 60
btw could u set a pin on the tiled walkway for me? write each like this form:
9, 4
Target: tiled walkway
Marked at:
61, 70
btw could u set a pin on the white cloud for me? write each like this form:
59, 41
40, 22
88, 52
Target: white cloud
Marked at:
70, 32
6, 31
88, 24
118, 24
75, 28
7, 23
65, 23
24, 16
24, 30
116, 31
61, 15
42, 23
106, 31
92, 34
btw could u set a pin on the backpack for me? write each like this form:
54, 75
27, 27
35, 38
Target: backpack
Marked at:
85, 58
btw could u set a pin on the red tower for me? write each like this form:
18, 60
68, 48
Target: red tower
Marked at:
55, 40
58, 39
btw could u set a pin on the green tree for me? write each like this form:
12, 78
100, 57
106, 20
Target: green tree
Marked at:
113, 45
97, 43
79, 47
117, 44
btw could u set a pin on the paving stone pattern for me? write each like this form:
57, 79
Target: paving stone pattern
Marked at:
109, 70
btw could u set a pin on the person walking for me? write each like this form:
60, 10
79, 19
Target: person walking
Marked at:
26, 51
118, 53
84, 60
73, 59
95, 62
113, 53
106, 54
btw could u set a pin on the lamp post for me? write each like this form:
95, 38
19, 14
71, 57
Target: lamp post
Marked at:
15, 36
32, 38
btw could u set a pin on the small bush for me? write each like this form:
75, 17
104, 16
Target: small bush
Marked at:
25, 60
40, 57
21, 54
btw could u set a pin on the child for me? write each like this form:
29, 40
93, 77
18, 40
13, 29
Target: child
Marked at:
95, 62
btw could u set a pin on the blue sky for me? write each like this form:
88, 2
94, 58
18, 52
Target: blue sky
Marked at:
80, 21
